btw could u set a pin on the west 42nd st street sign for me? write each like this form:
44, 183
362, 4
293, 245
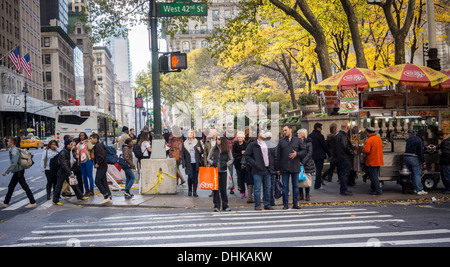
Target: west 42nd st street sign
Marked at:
181, 8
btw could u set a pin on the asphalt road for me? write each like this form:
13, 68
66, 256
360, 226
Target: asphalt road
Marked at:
399, 224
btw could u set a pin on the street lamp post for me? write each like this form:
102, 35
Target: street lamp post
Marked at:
155, 70
25, 90
433, 61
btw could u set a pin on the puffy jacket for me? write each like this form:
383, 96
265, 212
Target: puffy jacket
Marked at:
307, 160
321, 149
373, 148
444, 158
64, 162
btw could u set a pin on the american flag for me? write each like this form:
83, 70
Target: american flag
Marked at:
15, 58
25, 63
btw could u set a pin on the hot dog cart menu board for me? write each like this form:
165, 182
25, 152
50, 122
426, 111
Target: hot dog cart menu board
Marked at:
348, 100
446, 122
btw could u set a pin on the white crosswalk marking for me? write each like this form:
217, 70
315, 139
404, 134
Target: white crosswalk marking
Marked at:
306, 227
20, 200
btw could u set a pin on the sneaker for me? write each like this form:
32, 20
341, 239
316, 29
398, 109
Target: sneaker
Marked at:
83, 198
106, 201
29, 206
227, 209
420, 193
216, 210
3, 204
57, 203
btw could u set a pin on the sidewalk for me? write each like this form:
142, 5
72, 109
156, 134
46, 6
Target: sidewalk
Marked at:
328, 196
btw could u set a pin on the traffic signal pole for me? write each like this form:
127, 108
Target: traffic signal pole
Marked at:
155, 70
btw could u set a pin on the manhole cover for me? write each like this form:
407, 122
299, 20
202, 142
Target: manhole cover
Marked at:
82, 220
413, 224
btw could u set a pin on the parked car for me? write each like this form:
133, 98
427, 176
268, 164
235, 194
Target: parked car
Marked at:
46, 140
31, 142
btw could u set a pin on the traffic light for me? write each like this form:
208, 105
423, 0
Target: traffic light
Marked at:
178, 61
163, 63
109, 108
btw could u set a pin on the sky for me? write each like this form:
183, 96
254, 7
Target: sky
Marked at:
140, 49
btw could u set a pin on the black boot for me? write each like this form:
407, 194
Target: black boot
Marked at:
300, 193
307, 193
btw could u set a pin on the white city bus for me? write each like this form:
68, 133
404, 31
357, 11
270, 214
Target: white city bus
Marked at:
72, 120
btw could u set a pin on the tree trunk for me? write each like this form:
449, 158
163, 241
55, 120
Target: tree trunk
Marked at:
356, 37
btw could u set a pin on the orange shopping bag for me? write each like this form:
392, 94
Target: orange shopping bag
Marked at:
208, 178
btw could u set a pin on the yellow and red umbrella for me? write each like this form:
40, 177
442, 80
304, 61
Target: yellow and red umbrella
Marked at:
414, 75
351, 78
445, 86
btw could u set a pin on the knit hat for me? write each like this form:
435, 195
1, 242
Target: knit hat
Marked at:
67, 142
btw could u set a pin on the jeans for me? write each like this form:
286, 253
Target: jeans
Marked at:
329, 173
193, 178
294, 179
60, 178
343, 170
414, 166
130, 179
221, 194
375, 182
86, 172
264, 180
445, 175
19, 177
319, 168
102, 183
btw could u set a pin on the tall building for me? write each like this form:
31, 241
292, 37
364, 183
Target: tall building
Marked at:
104, 77
58, 64
120, 51
54, 10
79, 34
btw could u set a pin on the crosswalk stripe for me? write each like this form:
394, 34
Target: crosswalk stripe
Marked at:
213, 226
203, 235
184, 220
390, 242
298, 239
26, 201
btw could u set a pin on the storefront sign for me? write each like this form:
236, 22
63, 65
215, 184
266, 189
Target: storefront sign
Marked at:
15, 103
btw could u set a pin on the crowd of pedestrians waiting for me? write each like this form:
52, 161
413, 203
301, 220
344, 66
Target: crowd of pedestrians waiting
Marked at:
259, 162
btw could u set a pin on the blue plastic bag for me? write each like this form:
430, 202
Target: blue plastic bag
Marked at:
301, 175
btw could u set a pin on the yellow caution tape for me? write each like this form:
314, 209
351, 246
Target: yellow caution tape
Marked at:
159, 176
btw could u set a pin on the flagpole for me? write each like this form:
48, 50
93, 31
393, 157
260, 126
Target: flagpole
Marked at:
9, 52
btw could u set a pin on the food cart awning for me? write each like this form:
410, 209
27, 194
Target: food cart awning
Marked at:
351, 78
414, 75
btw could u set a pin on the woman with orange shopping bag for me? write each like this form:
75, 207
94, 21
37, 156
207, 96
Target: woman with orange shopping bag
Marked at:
221, 157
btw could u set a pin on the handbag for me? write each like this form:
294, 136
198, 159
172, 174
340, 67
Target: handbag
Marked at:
208, 178
123, 163
73, 180
278, 188
302, 176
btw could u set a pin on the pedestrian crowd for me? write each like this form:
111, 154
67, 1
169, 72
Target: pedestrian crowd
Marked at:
265, 169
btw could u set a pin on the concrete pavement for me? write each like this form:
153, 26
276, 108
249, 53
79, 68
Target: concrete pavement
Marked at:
329, 195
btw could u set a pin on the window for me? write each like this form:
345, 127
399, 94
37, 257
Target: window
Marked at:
48, 76
47, 59
71, 119
186, 47
49, 95
99, 70
79, 41
204, 44
215, 15
46, 41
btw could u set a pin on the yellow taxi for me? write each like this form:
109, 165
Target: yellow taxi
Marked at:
31, 142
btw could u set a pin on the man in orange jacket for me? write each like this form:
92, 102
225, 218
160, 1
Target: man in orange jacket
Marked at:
373, 148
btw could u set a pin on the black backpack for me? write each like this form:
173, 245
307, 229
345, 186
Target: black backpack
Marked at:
137, 151
54, 163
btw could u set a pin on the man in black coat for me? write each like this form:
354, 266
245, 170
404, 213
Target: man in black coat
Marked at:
64, 172
320, 152
101, 165
343, 153
290, 150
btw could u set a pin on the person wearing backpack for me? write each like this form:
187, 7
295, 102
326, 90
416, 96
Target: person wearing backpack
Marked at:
18, 175
64, 171
101, 165
50, 153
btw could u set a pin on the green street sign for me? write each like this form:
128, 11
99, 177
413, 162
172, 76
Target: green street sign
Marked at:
181, 8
